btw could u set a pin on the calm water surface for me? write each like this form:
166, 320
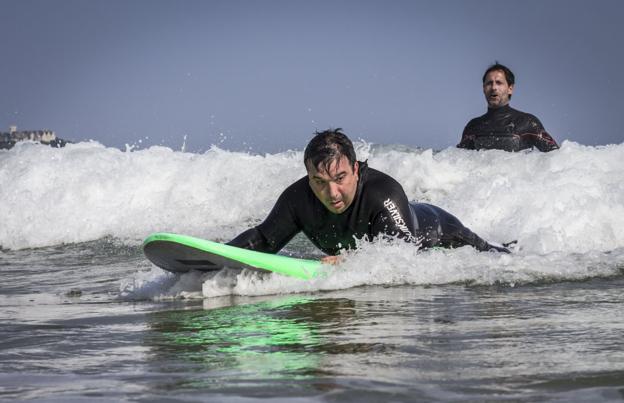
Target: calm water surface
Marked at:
67, 335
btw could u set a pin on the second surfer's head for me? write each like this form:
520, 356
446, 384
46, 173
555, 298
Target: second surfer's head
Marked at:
498, 85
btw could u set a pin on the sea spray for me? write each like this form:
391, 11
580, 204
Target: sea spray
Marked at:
389, 264
565, 208
86, 191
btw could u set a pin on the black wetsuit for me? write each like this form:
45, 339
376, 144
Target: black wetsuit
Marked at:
506, 129
380, 207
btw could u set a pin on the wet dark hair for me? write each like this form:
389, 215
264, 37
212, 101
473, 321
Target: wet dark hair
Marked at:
327, 147
509, 76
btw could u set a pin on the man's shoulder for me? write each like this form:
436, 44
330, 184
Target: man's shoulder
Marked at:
527, 119
298, 199
377, 177
477, 120
522, 114
379, 184
297, 191
299, 185
507, 113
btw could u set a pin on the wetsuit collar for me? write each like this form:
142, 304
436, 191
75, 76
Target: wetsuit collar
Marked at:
362, 174
362, 171
502, 109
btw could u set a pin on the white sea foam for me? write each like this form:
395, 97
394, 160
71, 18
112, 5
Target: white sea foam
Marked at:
86, 191
565, 208
398, 264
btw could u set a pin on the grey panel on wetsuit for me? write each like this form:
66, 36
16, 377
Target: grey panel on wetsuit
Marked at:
426, 223
441, 228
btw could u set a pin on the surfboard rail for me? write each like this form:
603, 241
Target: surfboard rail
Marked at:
289, 266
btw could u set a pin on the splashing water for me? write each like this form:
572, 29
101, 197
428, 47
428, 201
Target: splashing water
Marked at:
565, 208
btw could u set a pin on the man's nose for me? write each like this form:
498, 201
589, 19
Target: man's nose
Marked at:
333, 190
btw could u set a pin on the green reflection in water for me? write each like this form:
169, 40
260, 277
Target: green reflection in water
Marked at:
270, 339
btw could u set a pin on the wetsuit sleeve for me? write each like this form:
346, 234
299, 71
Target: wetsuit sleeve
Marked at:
537, 135
251, 239
544, 142
467, 139
394, 218
275, 232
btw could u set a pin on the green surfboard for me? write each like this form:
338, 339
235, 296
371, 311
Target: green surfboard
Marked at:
182, 253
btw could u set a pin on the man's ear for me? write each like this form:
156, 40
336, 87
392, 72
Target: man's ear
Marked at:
356, 168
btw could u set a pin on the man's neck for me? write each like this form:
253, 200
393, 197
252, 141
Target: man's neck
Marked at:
499, 108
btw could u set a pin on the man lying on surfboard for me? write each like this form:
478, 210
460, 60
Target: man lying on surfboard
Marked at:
342, 199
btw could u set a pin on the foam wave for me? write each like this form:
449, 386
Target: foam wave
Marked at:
86, 191
567, 201
571, 200
385, 264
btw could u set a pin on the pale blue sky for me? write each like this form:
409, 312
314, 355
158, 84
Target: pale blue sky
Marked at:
264, 75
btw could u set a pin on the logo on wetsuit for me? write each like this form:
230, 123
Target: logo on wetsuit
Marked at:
398, 220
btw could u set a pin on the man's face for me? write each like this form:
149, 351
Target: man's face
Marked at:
335, 187
496, 89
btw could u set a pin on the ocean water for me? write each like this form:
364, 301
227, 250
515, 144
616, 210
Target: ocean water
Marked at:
84, 316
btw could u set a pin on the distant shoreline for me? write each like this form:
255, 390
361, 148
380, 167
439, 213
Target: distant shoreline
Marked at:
46, 137
56, 143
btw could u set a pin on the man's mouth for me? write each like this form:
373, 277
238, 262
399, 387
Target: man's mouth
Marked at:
335, 203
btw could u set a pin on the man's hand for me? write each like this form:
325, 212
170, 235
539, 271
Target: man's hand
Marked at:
331, 260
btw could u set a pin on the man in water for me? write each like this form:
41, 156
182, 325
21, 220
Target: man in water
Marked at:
503, 127
342, 199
